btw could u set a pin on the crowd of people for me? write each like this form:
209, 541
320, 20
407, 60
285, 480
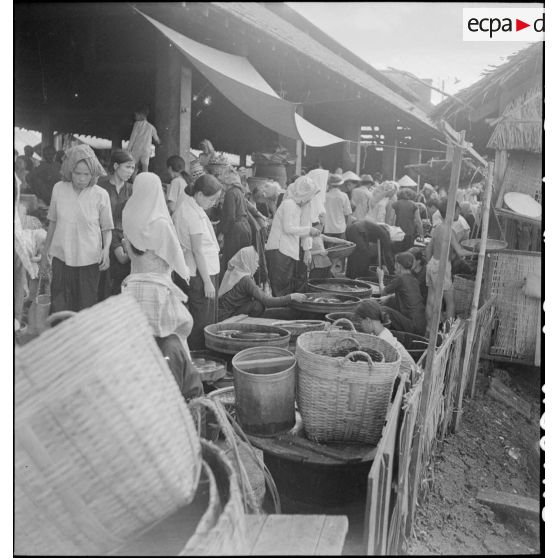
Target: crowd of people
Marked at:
199, 249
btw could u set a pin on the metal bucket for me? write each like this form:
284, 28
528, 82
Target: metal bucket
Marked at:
264, 383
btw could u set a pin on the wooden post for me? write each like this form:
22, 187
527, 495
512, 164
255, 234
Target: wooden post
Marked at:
167, 105
185, 111
444, 257
395, 159
476, 295
415, 471
358, 150
298, 163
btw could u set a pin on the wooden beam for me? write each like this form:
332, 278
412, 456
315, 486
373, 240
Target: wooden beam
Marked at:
476, 295
528, 508
185, 111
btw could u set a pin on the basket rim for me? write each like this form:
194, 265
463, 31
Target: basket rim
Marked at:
337, 361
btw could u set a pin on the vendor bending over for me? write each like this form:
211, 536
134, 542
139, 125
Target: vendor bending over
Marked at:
373, 319
239, 294
363, 233
404, 305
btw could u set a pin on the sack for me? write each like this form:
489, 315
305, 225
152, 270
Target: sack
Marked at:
532, 286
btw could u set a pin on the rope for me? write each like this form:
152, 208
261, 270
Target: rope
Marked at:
231, 430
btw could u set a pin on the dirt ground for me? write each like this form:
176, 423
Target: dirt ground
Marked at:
496, 448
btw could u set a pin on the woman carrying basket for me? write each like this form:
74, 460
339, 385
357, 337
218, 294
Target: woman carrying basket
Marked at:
79, 233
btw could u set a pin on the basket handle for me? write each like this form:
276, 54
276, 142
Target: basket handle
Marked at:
63, 315
344, 320
359, 353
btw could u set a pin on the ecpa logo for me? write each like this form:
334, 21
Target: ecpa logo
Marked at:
503, 24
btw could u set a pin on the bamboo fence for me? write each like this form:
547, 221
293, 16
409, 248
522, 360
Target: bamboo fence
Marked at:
449, 377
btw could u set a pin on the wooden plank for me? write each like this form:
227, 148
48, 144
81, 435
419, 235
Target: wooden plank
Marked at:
333, 535
378, 494
512, 503
289, 535
254, 526
476, 297
505, 395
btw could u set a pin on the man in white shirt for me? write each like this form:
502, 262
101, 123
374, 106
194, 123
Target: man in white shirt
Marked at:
337, 206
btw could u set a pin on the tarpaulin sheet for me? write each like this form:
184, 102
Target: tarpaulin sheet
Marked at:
243, 86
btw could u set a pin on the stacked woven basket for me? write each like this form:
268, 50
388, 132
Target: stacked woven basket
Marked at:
340, 400
105, 446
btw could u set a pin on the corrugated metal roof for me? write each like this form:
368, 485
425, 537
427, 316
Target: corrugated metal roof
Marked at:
261, 18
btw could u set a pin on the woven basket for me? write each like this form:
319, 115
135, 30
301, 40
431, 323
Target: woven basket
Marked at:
222, 528
104, 443
298, 327
342, 401
463, 288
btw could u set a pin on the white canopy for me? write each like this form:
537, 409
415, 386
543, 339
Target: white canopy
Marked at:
243, 86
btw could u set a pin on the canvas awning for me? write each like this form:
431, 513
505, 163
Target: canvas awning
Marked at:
243, 86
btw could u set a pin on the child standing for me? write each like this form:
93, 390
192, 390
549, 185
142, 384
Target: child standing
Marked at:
140, 140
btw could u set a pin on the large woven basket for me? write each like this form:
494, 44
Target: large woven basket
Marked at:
342, 401
105, 445
463, 288
222, 528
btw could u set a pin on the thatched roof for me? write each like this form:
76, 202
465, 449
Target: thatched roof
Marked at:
520, 127
518, 84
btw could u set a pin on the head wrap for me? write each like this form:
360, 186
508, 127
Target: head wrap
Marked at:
389, 188
244, 262
81, 153
405, 259
371, 309
302, 190
147, 224
230, 177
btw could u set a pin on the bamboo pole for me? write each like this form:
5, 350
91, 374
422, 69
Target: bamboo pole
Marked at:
415, 471
476, 295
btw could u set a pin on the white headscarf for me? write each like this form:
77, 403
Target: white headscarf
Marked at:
302, 190
244, 262
147, 224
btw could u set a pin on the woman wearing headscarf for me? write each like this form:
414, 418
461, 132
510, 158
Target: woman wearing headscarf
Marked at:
291, 223
239, 294
201, 252
234, 225
79, 233
380, 205
152, 245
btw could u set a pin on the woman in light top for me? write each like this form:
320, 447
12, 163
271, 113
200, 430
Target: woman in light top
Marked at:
201, 252
239, 294
292, 223
380, 205
79, 233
